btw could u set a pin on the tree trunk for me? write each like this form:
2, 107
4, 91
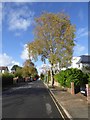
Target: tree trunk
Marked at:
52, 77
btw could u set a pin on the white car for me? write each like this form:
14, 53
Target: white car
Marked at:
83, 90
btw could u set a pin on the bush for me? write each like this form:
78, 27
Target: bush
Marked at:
36, 76
74, 75
71, 75
18, 73
60, 77
88, 78
42, 76
7, 79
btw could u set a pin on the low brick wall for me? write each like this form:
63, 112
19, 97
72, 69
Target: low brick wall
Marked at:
88, 93
69, 90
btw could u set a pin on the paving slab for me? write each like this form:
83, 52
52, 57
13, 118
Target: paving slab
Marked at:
76, 106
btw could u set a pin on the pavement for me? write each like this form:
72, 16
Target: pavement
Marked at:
74, 106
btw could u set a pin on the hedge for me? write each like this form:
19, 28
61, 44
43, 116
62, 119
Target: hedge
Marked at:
7, 79
88, 78
75, 75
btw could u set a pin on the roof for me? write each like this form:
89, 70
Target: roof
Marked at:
85, 58
3, 68
76, 60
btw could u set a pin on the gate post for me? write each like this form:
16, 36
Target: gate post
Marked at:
88, 93
72, 88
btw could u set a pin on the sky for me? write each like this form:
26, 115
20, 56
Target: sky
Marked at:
18, 25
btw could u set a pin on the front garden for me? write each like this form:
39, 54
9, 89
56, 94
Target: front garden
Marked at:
10, 79
65, 77
72, 79
7, 79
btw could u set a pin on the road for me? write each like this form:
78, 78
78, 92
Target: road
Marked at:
28, 100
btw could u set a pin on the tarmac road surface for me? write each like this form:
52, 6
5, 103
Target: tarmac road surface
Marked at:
28, 100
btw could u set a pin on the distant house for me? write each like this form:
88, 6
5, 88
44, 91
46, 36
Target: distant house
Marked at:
77, 62
4, 69
13, 71
80, 62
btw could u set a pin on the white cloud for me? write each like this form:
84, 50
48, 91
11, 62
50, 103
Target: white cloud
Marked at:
6, 60
17, 20
19, 16
79, 49
82, 32
24, 54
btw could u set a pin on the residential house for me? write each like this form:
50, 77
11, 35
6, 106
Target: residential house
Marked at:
4, 69
80, 62
76, 62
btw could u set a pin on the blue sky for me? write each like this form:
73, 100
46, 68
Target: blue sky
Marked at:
17, 27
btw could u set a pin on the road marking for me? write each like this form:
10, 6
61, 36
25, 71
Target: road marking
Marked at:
48, 108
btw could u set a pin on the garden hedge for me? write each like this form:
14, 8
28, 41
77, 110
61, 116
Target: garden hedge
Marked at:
65, 77
7, 79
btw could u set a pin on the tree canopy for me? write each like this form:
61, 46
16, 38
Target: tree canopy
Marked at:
15, 67
54, 38
29, 68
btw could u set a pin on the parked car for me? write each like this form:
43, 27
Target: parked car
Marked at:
83, 90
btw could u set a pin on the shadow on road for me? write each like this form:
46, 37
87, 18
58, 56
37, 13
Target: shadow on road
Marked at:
25, 89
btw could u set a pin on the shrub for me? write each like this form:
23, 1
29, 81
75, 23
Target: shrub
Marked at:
75, 75
84, 79
88, 78
71, 75
36, 76
60, 77
18, 73
42, 76
7, 79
